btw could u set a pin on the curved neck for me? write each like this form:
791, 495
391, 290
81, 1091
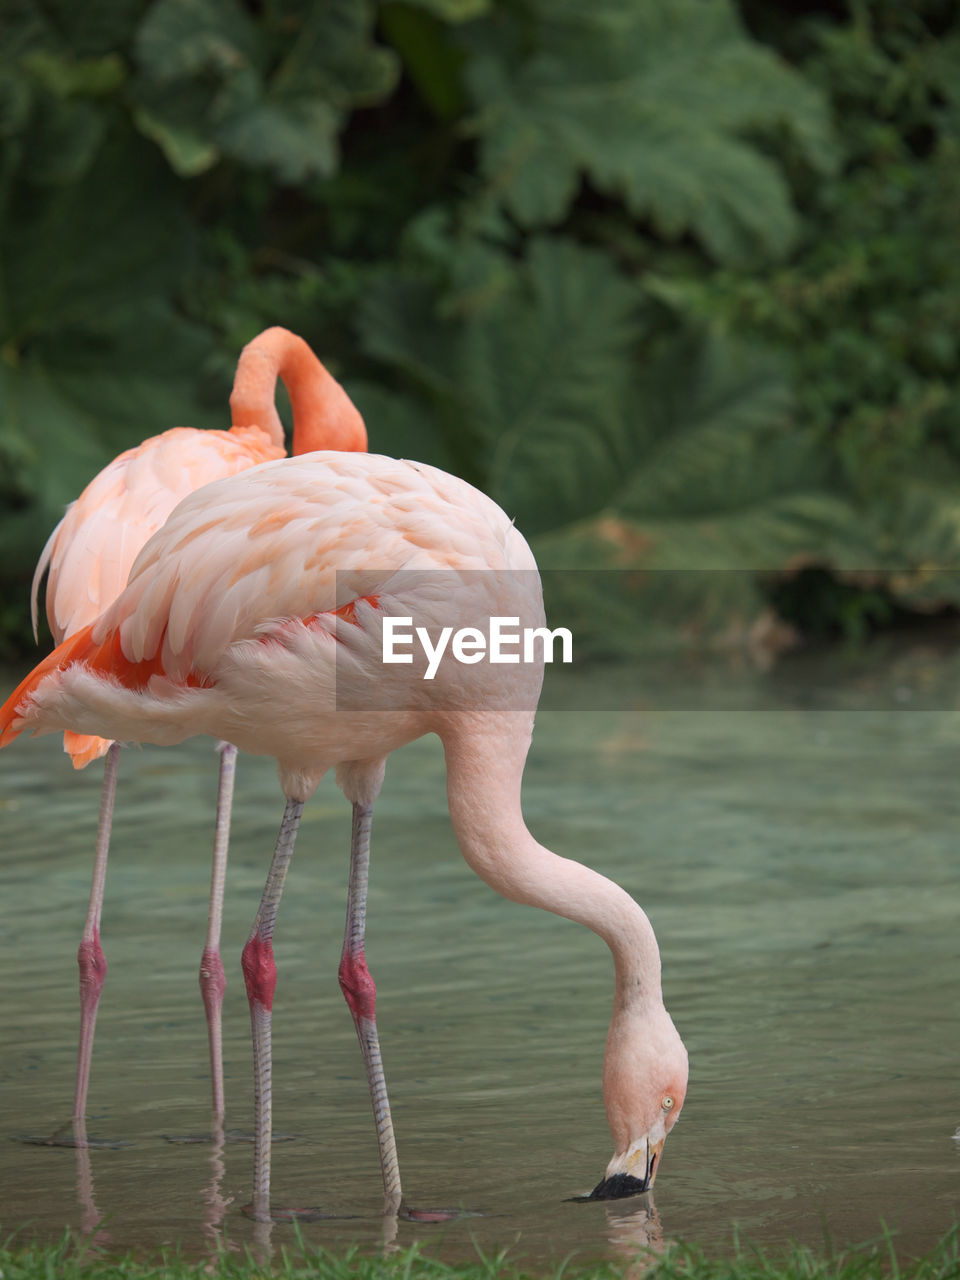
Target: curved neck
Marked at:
324, 416
485, 755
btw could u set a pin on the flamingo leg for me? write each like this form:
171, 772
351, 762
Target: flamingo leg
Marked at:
90, 958
260, 976
358, 988
213, 981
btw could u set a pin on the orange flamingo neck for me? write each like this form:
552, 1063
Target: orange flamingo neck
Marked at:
324, 416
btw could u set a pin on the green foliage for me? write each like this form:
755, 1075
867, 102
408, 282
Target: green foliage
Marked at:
868, 307
657, 106
69, 1260
213, 82
534, 387
86, 363
677, 284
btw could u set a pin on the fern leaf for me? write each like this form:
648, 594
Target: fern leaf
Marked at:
654, 104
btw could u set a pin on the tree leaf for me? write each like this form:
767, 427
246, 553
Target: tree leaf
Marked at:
74, 31
335, 58
185, 38
400, 324
718, 432
533, 386
187, 153
72, 252
210, 84
654, 104
66, 76
432, 62
61, 141
547, 371
294, 137
71, 403
452, 11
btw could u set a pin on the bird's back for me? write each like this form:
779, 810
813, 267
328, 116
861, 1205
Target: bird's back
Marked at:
255, 615
294, 539
90, 553
92, 550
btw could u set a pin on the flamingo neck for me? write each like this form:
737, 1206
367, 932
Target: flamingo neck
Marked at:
485, 759
324, 417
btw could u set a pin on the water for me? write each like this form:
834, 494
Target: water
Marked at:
792, 835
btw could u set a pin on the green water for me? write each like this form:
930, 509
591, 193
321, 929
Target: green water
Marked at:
793, 836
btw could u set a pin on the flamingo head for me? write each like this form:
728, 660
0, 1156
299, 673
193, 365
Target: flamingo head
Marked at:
644, 1086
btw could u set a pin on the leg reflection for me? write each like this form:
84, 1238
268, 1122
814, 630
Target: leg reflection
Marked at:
91, 1216
214, 1202
262, 1251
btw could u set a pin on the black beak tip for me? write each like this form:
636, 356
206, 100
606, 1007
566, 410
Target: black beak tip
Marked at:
618, 1187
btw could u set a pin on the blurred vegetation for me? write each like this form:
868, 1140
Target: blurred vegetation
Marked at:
75, 1259
677, 284
72, 1259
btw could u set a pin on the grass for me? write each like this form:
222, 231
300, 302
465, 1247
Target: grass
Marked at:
71, 1260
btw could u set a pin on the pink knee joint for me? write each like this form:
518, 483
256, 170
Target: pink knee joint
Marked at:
213, 980
357, 985
93, 970
259, 971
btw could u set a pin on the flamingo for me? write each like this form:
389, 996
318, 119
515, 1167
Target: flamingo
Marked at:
88, 559
256, 615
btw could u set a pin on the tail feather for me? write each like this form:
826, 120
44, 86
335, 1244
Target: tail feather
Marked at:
106, 658
83, 748
74, 649
43, 564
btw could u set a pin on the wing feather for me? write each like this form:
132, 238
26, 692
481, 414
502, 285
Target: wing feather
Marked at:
293, 539
42, 565
90, 553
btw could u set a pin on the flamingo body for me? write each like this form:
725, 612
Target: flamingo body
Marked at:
91, 551
89, 555
229, 626
255, 614
88, 558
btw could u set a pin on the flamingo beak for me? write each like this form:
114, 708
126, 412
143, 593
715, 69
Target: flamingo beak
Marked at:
632, 1174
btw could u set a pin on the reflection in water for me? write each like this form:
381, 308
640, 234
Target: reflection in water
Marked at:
215, 1203
797, 864
90, 1215
262, 1241
635, 1231
391, 1233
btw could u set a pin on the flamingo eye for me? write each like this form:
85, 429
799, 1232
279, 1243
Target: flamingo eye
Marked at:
668, 1103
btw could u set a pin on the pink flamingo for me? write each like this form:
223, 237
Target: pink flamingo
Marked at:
89, 556
256, 615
